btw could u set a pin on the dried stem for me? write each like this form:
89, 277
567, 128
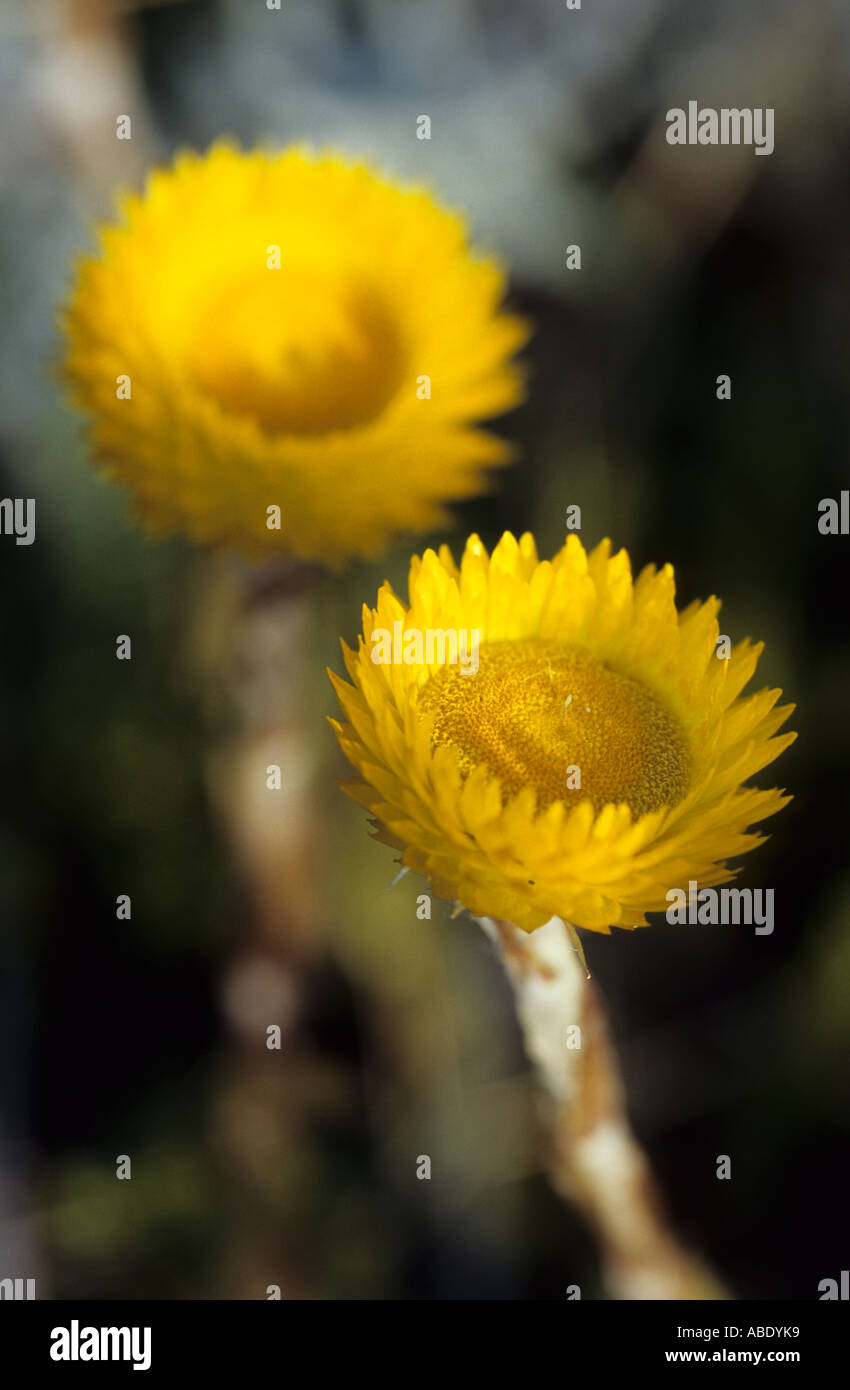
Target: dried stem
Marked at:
250, 634
597, 1163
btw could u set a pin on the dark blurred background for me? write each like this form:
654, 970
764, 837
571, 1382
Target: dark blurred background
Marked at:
147, 1037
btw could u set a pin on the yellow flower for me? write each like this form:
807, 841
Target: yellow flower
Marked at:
590, 759
278, 321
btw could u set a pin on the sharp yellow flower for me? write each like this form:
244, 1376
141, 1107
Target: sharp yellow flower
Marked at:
589, 755
290, 330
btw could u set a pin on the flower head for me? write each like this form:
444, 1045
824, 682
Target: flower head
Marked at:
591, 757
294, 331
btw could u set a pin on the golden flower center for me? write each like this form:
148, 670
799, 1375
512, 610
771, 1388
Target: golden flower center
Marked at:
300, 350
553, 717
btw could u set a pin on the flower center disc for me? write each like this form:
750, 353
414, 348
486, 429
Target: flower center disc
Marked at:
538, 713
298, 350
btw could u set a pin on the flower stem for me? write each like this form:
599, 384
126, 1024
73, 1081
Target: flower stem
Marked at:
596, 1162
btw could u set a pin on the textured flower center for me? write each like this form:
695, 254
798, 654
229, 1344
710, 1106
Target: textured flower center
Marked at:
300, 350
539, 713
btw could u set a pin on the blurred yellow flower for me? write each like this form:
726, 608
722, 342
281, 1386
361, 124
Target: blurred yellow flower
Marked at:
591, 757
290, 331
